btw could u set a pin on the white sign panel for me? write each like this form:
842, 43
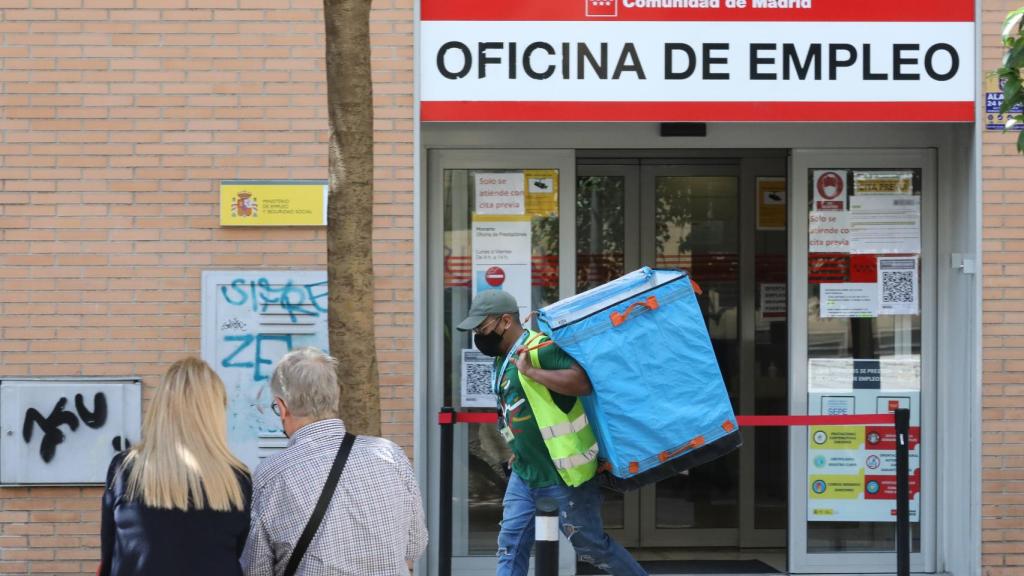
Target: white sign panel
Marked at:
65, 431
502, 259
477, 374
250, 320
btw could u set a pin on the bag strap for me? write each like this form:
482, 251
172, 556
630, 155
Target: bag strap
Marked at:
321, 505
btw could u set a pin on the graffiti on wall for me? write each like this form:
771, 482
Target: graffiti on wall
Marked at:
251, 320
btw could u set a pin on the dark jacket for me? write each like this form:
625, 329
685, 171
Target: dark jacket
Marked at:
141, 541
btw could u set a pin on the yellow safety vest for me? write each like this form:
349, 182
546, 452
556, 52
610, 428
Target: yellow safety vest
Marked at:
568, 437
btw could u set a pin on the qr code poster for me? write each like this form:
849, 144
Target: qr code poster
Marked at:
898, 286
477, 372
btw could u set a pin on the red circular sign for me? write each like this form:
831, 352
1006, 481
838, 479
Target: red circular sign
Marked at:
830, 185
495, 276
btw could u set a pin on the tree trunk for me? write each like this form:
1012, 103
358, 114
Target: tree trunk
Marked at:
350, 212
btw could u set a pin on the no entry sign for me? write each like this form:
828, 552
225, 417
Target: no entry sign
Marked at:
697, 60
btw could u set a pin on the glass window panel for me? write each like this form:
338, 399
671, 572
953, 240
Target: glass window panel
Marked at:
875, 339
485, 449
697, 229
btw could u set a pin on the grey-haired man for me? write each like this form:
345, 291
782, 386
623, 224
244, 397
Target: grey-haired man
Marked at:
374, 524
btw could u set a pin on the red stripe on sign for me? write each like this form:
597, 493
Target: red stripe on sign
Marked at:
754, 10
449, 111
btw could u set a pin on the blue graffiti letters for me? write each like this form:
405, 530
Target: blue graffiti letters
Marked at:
257, 360
297, 301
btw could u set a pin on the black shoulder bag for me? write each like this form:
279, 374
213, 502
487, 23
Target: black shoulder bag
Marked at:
321, 506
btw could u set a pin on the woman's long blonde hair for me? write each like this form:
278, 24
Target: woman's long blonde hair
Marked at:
184, 460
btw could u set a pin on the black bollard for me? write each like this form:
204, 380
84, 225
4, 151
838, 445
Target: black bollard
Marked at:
902, 492
546, 539
444, 538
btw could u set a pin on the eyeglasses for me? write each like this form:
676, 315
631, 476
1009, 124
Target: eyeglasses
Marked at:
479, 329
275, 408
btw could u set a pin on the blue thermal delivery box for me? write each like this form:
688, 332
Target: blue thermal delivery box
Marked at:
659, 405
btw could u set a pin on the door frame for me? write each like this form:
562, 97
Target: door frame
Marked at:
802, 160
639, 168
477, 159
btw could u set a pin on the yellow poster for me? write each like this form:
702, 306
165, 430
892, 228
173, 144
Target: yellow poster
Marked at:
541, 192
268, 203
771, 203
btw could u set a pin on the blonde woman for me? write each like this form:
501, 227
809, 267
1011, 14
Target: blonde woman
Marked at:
178, 503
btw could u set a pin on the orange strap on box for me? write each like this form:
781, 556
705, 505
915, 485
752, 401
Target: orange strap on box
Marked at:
651, 303
666, 455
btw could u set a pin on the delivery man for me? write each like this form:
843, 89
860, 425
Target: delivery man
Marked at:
554, 451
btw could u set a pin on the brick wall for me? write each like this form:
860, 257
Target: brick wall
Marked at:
118, 119
1003, 332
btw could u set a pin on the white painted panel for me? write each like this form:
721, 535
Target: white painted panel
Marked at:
65, 431
251, 318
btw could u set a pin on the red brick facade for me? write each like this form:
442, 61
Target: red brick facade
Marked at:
118, 120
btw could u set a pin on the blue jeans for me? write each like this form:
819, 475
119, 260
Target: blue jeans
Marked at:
579, 518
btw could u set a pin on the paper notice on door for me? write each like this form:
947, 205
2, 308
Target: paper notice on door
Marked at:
541, 192
773, 302
849, 300
500, 193
883, 182
886, 224
502, 257
897, 286
828, 232
477, 372
771, 203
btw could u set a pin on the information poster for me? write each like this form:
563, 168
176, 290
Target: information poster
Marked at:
500, 193
885, 224
477, 371
502, 257
849, 300
771, 203
773, 302
994, 119
541, 192
851, 470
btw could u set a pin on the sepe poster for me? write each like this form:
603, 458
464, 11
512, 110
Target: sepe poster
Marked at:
851, 470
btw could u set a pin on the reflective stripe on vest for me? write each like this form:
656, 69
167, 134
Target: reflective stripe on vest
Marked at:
563, 428
575, 460
570, 441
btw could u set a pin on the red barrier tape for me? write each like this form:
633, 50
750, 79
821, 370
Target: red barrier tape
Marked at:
839, 420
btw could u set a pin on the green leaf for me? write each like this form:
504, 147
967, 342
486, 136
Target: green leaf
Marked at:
1011, 26
1011, 94
1020, 142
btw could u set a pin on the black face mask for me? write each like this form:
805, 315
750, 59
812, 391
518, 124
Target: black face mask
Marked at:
489, 344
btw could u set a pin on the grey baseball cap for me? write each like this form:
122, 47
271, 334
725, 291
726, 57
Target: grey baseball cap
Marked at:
488, 303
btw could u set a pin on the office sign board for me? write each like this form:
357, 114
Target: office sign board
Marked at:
697, 60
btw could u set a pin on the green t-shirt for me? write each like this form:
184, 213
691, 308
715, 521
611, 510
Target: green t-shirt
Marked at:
532, 462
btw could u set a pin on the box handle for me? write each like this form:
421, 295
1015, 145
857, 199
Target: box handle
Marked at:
651, 303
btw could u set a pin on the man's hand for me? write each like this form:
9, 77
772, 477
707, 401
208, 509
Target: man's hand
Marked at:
523, 362
569, 382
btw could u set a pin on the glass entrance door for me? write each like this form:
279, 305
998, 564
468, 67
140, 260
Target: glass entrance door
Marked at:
701, 216
863, 300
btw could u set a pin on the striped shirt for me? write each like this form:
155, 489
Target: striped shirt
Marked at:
373, 526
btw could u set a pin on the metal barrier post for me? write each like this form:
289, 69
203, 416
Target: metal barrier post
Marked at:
903, 492
546, 539
444, 538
